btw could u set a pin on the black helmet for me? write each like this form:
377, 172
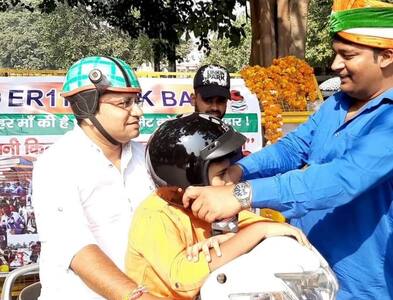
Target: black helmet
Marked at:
180, 150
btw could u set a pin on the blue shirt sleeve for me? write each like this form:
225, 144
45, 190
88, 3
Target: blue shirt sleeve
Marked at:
368, 162
291, 152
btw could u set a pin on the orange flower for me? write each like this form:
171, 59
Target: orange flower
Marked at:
288, 84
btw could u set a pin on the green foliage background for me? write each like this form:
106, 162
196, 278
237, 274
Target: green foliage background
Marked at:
233, 58
35, 40
319, 53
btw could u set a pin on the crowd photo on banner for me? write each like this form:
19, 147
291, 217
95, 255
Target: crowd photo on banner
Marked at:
18, 232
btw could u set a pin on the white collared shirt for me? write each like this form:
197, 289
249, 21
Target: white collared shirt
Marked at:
81, 198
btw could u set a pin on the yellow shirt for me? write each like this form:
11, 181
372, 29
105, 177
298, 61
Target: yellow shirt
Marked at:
156, 252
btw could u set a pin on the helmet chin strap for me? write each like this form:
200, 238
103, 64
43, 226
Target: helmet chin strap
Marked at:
101, 129
101, 83
98, 125
83, 112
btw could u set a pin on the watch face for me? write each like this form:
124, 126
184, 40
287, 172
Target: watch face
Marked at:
241, 190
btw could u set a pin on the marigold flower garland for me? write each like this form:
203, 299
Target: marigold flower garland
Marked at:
286, 85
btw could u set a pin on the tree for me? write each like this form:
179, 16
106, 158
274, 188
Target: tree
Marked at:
40, 41
20, 45
231, 57
278, 29
163, 21
278, 26
319, 51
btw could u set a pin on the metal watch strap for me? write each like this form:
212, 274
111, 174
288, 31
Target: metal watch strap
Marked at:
242, 192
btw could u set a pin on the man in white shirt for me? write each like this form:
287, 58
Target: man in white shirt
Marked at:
86, 186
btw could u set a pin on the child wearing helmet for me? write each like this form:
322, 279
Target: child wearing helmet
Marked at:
85, 187
193, 149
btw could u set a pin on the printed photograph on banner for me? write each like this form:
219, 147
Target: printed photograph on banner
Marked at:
17, 220
22, 250
19, 244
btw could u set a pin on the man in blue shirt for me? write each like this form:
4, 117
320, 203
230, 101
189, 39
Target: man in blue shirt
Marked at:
333, 175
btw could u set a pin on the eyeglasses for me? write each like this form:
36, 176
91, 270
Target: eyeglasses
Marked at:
126, 103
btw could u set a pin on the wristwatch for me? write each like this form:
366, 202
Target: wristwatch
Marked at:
242, 192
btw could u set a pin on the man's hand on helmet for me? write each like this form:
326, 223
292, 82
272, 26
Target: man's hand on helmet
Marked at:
233, 174
211, 203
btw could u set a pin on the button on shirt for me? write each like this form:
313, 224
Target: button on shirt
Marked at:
80, 198
342, 197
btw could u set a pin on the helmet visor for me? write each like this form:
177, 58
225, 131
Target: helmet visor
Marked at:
229, 142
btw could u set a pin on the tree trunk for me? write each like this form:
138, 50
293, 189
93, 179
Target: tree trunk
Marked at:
263, 40
278, 29
157, 62
157, 57
171, 55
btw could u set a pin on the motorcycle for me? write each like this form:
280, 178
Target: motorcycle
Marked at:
278, 268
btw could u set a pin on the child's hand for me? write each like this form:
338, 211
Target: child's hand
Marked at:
283, 229
204, 246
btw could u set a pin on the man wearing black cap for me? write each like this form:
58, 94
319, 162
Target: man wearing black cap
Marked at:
211, 90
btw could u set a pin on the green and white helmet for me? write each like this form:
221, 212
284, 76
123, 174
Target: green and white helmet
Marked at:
119, 74
89, 78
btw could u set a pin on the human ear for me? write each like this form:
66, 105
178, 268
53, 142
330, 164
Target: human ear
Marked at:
386, 58
193, 99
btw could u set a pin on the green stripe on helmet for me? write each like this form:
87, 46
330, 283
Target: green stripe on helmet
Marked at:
130, 72
77, 76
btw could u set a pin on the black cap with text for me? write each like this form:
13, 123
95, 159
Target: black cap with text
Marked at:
212, 81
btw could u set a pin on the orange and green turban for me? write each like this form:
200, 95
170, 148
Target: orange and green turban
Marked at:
365, 22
